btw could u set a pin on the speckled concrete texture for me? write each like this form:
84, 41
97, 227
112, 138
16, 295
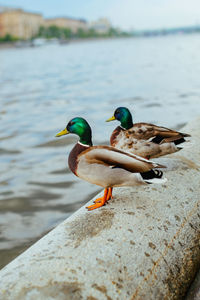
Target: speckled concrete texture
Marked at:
194, 290
144, 244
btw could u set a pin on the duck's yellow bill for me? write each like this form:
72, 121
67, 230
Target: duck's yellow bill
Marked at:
63, 132
111, 119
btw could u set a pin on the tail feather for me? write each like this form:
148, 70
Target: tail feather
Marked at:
182, 139
179, 141
153, 176
185, 134
176, 139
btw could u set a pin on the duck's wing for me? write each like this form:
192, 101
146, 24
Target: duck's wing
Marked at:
156, 134
115, 158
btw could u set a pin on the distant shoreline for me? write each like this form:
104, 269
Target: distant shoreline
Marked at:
12, 45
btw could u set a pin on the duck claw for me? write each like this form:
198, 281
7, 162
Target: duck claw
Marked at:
98, 200
102, 200
96, 205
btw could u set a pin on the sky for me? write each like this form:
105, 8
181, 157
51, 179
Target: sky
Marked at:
126, 14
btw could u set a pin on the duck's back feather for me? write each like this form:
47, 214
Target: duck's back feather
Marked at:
146, 131
109, 167
147, 140
113, 157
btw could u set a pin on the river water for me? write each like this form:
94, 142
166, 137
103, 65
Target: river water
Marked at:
41, 89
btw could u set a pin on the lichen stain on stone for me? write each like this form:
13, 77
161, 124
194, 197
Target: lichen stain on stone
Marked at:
165, 228
91, 298
100, 261
53, 290
177, 218
147, 254
110, 240
152, 245
132, 243
129, 213
102, 289
90, 225
141, 207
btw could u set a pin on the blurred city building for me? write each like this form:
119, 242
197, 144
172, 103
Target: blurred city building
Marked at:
101, 26
18, 23
73, 24
25, 25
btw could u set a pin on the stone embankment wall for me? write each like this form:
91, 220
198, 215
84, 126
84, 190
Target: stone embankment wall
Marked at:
144, 244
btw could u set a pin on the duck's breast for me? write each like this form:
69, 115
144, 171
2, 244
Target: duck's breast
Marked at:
73, 156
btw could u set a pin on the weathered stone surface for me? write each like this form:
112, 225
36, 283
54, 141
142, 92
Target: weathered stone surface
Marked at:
144, 244
194, 291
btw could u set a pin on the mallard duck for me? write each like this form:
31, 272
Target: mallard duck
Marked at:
143, 139
106, 166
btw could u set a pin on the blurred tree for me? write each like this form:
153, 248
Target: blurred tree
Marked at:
8, 38
54, 31
67, 33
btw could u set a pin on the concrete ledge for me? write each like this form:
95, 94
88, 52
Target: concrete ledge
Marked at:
194, 291
145, 244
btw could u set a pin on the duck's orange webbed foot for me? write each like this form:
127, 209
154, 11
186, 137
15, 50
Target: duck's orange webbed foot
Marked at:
109, 196
100, 201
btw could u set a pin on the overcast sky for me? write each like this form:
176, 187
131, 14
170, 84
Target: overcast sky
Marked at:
127, 14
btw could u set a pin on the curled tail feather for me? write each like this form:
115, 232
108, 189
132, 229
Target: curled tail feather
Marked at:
153, 176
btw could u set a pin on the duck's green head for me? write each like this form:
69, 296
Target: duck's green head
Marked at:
123, 115
80, 127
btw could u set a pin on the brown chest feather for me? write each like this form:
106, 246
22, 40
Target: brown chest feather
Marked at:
72, 159
115, 134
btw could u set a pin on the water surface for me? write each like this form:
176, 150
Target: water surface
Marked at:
41, 89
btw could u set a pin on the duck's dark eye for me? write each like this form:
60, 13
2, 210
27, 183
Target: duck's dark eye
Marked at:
71, 123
